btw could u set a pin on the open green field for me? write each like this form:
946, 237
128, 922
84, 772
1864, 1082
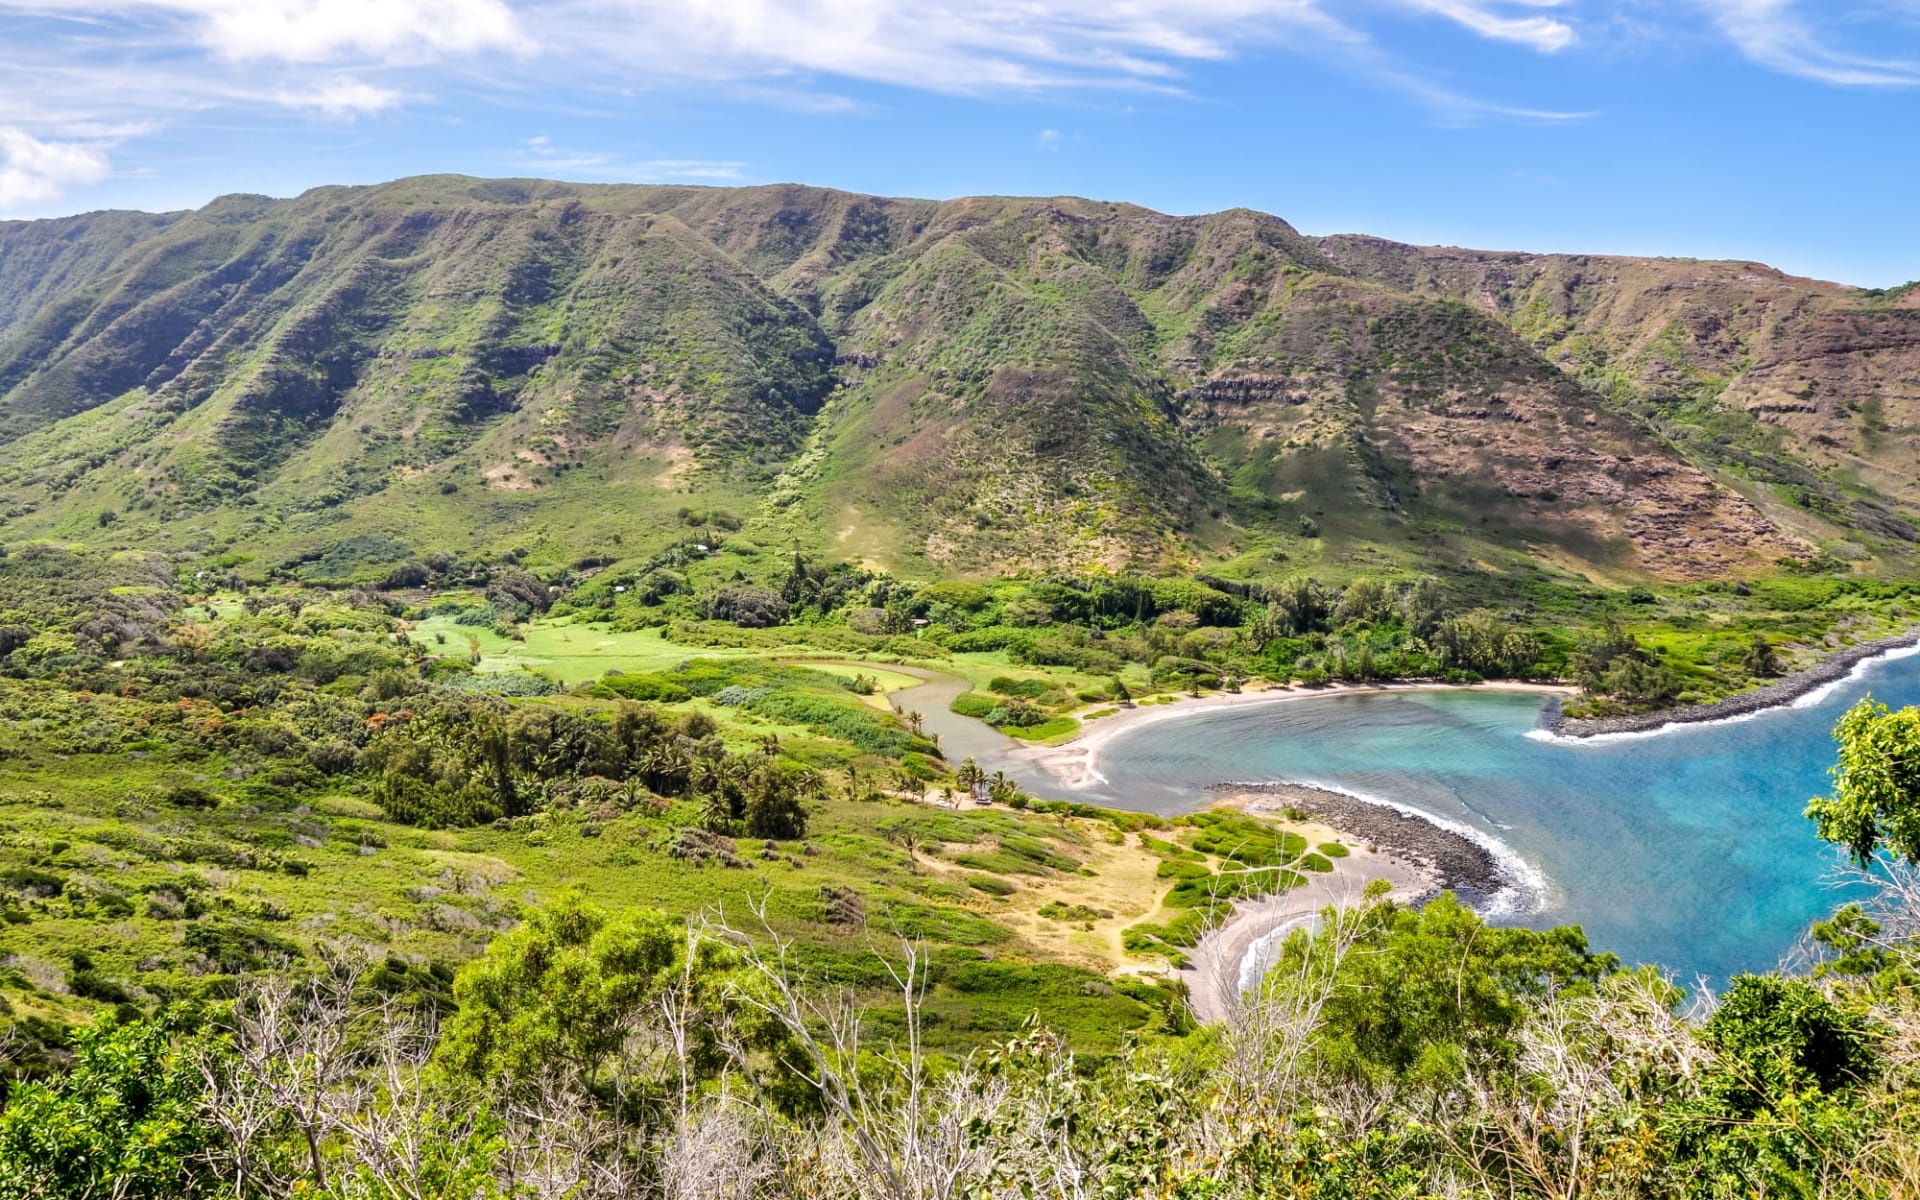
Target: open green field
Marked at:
569, 650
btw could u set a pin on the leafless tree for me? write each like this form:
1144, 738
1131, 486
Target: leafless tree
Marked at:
399, 1137
905, 1132
1588, 1068
1268, 1032
291, 1052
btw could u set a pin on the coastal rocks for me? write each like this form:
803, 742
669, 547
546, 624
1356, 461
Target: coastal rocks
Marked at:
1831, 669
1455, 861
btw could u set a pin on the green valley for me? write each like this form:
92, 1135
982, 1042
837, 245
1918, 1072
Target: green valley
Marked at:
517, 688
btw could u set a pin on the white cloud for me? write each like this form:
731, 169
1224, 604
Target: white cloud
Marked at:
325, 30
311, 31
1007, 49
779, 49
341, 99
1783, 36
32, 170
687, 168
994, 46
1506, 22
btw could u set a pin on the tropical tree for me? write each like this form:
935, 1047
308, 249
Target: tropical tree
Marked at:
1759, 658
970, 777
908, 838
775, 799
562, 990
1876, 784
122, 1122
1002, 790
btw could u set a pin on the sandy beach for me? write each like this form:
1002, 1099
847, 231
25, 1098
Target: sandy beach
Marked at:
1214, 978
1416, 857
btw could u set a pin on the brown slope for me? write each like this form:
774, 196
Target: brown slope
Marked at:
1810, 386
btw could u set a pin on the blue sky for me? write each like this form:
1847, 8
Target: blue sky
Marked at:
1784, 131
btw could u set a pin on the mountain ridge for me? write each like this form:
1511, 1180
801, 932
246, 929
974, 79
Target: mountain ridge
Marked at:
949, 387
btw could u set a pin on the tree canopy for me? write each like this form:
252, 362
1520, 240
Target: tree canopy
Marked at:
1876, 784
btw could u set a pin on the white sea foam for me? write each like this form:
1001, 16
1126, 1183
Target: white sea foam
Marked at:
1526, 887
1810, 699
1265, 949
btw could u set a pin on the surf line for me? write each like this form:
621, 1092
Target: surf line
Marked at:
1817, 692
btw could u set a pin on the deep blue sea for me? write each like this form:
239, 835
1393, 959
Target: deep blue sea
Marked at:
1687, 847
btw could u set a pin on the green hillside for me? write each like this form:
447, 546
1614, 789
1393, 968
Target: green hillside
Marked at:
450, 365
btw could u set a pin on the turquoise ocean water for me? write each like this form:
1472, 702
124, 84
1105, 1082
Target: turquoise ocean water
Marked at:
1686, 848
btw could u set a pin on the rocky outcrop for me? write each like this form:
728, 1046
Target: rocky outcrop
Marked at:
1830, 669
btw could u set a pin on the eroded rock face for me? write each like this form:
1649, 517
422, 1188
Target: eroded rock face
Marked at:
977, 385
1480, 428
1845, 386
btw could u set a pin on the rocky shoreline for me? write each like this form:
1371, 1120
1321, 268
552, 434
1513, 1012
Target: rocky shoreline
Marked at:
1831, 669
1454, 861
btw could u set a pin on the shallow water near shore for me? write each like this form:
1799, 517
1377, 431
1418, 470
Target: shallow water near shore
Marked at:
1688, 848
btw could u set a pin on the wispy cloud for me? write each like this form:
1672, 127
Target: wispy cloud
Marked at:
1509, 22
1803, 39
542, 156
973, 47
65, 64
68, 66
310, 31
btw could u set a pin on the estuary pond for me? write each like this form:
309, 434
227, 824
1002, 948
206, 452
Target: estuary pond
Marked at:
1685, 847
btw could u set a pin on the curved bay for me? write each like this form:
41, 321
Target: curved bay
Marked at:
1687, 848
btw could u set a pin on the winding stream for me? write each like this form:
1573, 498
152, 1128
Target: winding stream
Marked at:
1685, 847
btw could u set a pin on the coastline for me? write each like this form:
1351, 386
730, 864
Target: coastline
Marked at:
1074, 763
1446, 858
1227, 954
1417, 853
1835, 668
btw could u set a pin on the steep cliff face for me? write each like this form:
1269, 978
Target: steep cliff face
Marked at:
973, 385
1810, 388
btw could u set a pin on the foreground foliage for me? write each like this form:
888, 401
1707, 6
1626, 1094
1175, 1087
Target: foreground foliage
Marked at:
254, 831
1394, 1053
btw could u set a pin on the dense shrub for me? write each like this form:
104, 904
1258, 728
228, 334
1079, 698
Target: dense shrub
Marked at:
748, 607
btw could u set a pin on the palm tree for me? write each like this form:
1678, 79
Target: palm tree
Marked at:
1002, 790
905, 837
716, 812
970, 777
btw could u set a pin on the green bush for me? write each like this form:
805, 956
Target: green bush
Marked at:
642, 686
973, 704
1026, 689
1045, 730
